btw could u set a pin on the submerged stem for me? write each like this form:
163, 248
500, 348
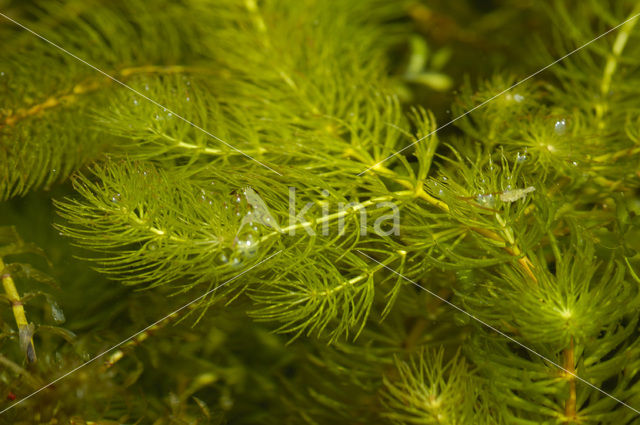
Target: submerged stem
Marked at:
18, 311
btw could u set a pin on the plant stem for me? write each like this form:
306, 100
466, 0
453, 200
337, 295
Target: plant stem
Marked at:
360, 277
419, 192
342, 213
18, 309
570, 404
88, 87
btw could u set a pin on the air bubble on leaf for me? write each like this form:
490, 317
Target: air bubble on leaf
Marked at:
223, 258
560, 127
248, 240
247, 243
487, 200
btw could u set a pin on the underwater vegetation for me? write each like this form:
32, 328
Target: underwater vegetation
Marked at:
319, 212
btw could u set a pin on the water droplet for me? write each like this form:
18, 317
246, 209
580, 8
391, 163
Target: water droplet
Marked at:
156, 117
574, 163
153, 247
521, 157
115, 198
247, 241
188, 99
223, 258
53, 171
169, 114
486, 200
1, 73
146, 87
135, 102
560, 127
518, 98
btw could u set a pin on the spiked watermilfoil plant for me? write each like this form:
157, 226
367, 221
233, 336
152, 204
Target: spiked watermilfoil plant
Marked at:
240, 211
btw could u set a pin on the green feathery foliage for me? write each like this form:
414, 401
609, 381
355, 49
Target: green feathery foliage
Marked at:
265, 216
